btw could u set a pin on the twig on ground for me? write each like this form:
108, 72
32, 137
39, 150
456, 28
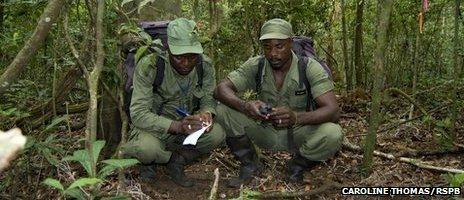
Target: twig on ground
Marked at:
214, 189
415, 162
294, 194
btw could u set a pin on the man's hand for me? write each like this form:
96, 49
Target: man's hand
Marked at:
207, 119
187, 125
251, 109
283, 117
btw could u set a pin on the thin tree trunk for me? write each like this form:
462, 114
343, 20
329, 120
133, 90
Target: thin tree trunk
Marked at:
358, 44
415, 70
93, 80
346, 63
330, 44
385, 7
2, 13
48, 17
454, 98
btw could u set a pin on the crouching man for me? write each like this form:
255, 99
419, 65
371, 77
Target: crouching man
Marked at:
164, 114
312, 135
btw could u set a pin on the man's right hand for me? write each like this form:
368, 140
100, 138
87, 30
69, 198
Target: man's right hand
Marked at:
188, 125
251, 109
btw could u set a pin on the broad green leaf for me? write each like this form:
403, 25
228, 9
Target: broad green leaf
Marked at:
125, 1
121, 163
457, 180
83, 182
54, 123
97, 147
113, 164
143, 4
145, 36
53, 183
75, 193
105, 171
81, 156
140, 52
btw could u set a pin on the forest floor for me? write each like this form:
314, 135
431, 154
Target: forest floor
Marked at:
413, 140
416, 139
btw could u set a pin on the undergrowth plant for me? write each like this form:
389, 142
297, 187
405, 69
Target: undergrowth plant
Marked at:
77, 189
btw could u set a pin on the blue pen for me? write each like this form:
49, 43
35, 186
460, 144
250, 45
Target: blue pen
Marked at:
182, 112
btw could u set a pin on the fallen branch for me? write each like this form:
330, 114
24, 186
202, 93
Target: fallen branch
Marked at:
415, 118
294, 194
348, 145
214, 189
407, 97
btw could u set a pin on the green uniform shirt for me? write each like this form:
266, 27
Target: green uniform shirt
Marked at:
175, 91
292, 94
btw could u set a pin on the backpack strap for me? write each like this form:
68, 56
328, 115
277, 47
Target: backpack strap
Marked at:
302, 65
259, 75
200, 72
159, 80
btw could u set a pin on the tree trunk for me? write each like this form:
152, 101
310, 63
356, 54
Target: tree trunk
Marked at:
454, 98
93, 81
346, 62
48, 17
330, 44
2, 13
358, 44
385, 7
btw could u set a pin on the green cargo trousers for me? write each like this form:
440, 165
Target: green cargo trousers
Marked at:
314, 142
150, 147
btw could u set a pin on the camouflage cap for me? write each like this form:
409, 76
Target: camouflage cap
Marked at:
276, 29
182, 37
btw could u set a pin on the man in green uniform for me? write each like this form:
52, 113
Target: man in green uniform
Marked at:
156, 123
312, 136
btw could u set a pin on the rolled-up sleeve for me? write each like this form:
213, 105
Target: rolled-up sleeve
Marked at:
243, 78
318, 79
142, 99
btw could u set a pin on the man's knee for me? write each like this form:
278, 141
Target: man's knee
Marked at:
211, 140
144, 147
333, 134
327, 141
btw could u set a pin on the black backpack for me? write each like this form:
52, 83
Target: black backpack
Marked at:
303, 48
157, 30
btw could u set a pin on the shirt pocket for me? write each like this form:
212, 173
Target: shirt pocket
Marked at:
298, 99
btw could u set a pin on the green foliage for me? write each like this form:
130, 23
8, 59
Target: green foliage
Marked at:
455, 180
55, 122
248, 194
442, 133
82, 156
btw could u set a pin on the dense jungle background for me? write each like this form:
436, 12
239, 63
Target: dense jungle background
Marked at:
397, 66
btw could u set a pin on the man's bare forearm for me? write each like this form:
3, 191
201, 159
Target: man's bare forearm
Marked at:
318, 116
226, 94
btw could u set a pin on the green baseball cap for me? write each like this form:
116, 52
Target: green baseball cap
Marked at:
276, 29
182, 37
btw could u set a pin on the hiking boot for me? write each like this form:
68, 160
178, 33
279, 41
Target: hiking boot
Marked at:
176, 164
244, 151
297, 166
147, 172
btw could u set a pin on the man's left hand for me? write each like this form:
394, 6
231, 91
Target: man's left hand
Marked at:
283, 117
207, 118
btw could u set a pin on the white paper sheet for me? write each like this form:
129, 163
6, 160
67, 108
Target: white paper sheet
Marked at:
193, 138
